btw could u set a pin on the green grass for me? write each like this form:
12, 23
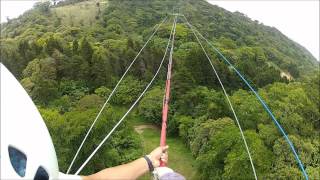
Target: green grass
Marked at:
180, 158
80, 14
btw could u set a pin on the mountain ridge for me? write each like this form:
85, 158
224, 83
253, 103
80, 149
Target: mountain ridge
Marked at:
299, 59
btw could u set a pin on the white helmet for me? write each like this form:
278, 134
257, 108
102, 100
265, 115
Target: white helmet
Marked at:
27, 151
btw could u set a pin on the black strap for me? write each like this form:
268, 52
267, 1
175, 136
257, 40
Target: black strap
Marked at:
151, 168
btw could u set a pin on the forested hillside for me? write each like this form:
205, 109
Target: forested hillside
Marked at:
69, 56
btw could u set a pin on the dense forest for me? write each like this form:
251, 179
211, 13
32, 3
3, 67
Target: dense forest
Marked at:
69, 55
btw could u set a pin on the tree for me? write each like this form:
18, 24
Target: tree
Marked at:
53, 43
11, 59
42, 73
100, 71
76, 68
43, 7
293, 70
220, 151
182, 82
74, 89
238, 157
75, 47
269, 134
91, 101
128, 91
185, 125
63, 104
248, 109
150, 107
292, 107
202, 101
86, 50
285, 162
197, 63
115, 28
102, 92
68, 129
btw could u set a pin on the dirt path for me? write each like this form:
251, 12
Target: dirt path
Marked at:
139, 129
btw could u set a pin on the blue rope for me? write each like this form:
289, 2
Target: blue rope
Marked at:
265, 106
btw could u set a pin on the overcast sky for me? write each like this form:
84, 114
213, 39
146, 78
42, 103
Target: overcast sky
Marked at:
297, 19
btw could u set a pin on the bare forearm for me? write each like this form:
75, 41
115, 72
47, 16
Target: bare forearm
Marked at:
127, 171
134, 169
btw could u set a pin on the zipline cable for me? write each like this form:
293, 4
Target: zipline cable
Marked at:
166, 98
229, 102
132, 106
113, 91
263, 103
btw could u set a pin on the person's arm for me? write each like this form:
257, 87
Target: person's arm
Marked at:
132, 170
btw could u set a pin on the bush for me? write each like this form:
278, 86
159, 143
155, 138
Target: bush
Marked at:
74, 89
127, 92
150, 107
102, 92
63, 104
185, 124
202, 101
89, 102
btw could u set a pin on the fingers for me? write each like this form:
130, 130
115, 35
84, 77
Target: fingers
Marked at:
164, 157
164, 148
159, 154
164, 160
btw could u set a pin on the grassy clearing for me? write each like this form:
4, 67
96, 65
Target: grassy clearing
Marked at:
180, 158
80, 14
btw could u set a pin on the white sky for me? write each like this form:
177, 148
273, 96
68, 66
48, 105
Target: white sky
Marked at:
14, 8
297, 19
